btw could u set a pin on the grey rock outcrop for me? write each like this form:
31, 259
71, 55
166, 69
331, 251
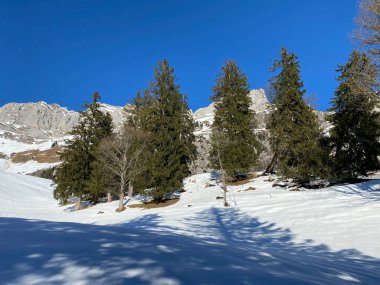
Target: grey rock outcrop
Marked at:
38, 121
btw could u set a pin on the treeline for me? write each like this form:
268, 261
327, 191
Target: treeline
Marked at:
155, 146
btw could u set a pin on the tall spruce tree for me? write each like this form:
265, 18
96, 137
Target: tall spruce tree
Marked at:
295, 135
234, 144
355, 132
142, 119
164, 114
78, 158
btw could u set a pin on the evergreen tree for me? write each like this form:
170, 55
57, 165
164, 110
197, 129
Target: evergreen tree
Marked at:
234, 144
166, 117
78, 158
142, 120
355, 135
295, 136
101, 181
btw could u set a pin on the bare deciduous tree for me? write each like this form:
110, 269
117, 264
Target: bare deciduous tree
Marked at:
218, 141
123, 156
368, 26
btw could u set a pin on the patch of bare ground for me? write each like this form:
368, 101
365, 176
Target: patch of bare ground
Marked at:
153, 205
18, 137
41, 156
122, 210
3, 156
246, 180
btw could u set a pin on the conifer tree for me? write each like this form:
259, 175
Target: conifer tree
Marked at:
101, 181
166, 117
74, 173
234, 144
295, 135
355, 132
142, 120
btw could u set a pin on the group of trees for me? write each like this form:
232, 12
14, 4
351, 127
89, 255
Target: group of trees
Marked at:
302, 152
153, 149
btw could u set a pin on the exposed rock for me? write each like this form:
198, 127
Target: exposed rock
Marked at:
27, 122
36, 120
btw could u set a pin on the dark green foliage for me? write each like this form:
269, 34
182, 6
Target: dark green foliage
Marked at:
233, 138
47, 173
295, 135
101, 180
164, 115
142, 119
355, 135
78, 156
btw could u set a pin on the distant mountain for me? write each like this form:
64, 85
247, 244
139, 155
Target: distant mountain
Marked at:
28, 122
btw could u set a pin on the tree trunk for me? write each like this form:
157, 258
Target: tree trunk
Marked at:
121, 195
224, 190
272, 165
109, 197
78, 205
121, 202
130, 189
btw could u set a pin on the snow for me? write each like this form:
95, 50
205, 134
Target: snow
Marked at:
8, 146
28, 167
272, 236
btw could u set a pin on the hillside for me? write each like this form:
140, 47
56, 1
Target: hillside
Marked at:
272, 236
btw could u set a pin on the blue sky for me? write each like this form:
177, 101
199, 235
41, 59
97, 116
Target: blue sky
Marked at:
62, 51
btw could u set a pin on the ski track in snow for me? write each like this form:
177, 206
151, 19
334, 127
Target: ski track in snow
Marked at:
272, 236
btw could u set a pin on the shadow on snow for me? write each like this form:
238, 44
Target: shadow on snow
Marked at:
223, 246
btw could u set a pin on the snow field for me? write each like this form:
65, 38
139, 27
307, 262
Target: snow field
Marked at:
272, 236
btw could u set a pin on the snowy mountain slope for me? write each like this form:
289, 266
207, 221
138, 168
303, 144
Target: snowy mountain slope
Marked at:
9, 148
36, 126
272, 236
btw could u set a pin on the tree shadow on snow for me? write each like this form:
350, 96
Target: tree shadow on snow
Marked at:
223, 246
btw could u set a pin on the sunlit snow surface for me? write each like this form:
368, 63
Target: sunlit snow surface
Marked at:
272, 236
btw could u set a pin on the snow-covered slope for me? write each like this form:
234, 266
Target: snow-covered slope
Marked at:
36, 126
272, 236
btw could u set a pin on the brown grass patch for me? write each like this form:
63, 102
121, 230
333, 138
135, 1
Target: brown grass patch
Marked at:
2, 156
248, 179
153, 205
41, 156
120, 210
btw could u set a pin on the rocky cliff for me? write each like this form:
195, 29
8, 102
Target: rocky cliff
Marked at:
29, 122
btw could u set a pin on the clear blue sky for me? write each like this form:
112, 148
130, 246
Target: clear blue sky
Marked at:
62, 51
